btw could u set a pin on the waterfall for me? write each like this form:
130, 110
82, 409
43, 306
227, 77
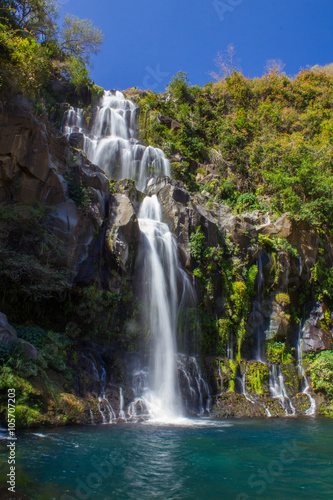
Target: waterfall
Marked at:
194, 388
242, 383
73, 122
112, 144
312, 408
161, 270
278, 389
121, 404
98, 372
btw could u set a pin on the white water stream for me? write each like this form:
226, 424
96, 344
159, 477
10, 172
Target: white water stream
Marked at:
312, 408
112, 144
162, 269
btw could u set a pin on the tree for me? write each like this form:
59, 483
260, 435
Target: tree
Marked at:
25, 65
226, 64
274, 67
33, 49
80, 38
37, 17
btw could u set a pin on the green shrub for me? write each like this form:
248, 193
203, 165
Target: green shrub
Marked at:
321, 370
277, 353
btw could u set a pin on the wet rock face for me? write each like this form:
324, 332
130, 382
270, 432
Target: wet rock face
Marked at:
252, 390
122, 230
315, 337
35, 160
181, 213
28, 159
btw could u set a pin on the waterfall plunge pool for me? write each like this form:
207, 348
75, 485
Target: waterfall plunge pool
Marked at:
284, 459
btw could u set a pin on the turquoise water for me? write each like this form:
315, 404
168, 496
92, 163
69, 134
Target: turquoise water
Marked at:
280, 459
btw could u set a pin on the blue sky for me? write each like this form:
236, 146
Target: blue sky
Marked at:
148, 41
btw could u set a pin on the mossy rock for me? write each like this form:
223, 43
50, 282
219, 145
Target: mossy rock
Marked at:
257, 378
236, 405
291, 379
301, 403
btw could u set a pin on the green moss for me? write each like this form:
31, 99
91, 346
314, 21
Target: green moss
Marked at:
277, 352
233, 368
291, 378
28, 417
282, 299
96, 94
257, 375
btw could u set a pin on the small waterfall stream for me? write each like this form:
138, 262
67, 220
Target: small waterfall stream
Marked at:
278, 389
312, 408
99, 375
241, 379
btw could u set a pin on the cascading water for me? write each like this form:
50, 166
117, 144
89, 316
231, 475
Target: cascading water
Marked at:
241, 379
111, 143
73, 122
278, 389
306, 387
121, 404
160, 269
99, 375
194, 388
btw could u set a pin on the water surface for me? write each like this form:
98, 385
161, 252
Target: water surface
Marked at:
284, 459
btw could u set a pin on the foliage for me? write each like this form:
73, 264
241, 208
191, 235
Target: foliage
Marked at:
178, 87
77, 191
96, 94
52, 351
79, 38
35, 16
213, 264
273, 136
77, 72
257, 375
35, 49
282, 299
277, 244
321, 371
277, 353
25, 64
33, 334
28, 250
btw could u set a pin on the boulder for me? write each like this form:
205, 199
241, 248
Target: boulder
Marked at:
7, 332
76, 139
30, 352
170, 123
281, 228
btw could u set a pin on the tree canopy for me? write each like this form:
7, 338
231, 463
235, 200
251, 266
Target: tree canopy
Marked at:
35, 47
80, 38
